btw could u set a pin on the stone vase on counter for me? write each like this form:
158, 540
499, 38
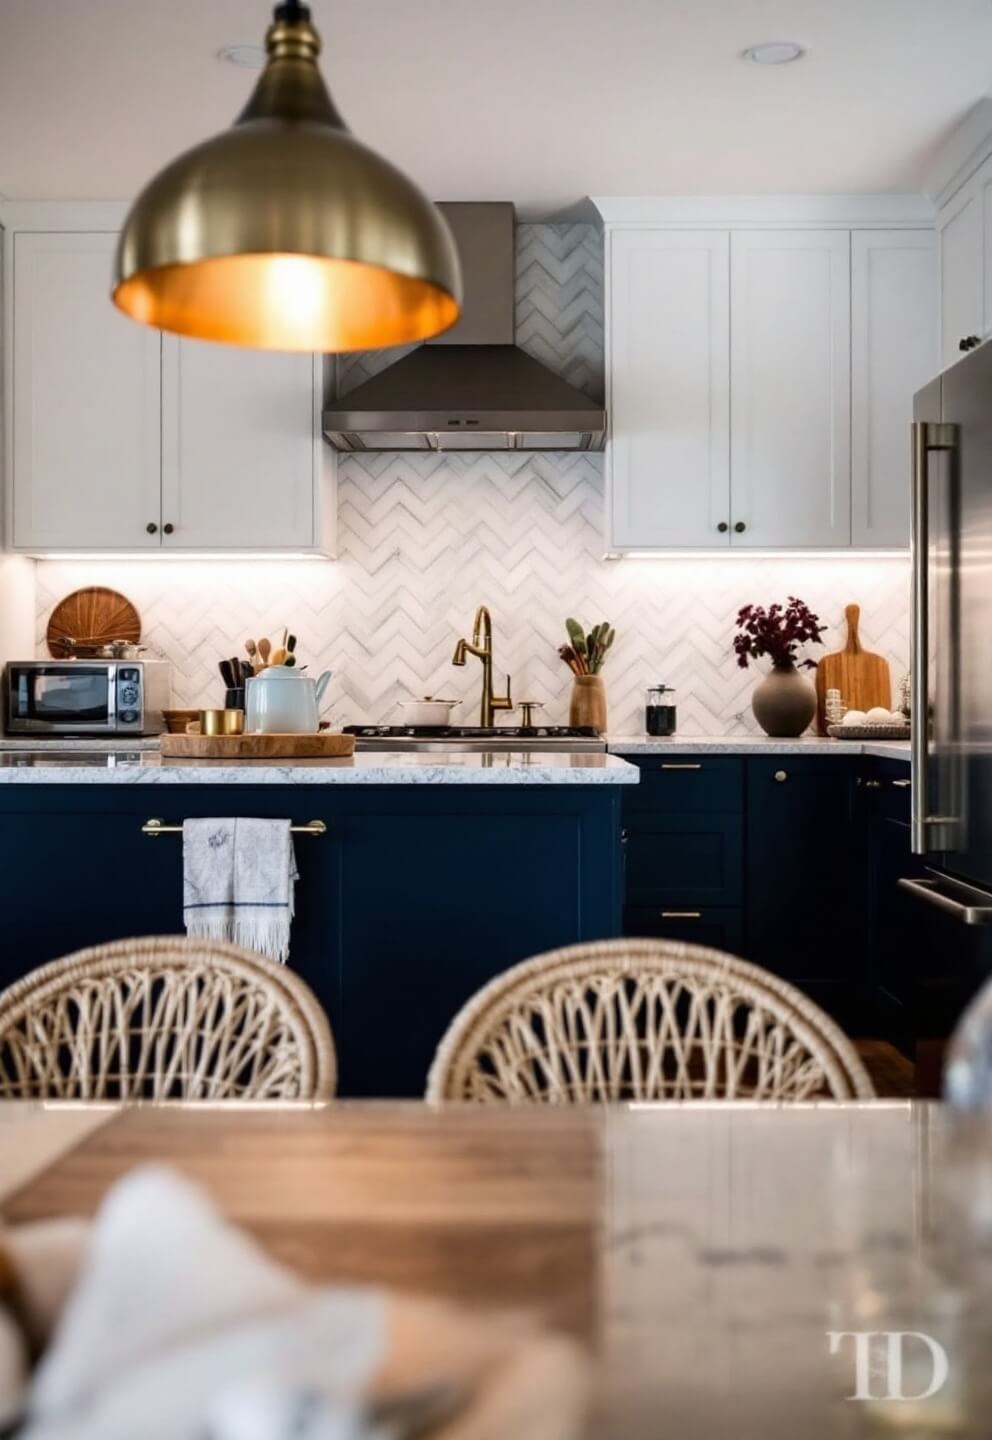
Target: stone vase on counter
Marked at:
784, 702
588, 703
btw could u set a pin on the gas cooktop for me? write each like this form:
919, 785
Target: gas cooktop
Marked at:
476, 737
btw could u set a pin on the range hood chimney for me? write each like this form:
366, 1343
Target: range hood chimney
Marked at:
471, 388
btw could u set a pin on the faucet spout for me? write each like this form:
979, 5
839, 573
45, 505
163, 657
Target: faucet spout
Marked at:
481, 646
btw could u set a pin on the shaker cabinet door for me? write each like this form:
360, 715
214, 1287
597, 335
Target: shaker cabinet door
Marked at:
85, 383
790, 380
669, 402
962, 261
894, 351
239, 458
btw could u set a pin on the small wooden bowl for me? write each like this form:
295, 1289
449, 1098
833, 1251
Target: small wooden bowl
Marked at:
177, 720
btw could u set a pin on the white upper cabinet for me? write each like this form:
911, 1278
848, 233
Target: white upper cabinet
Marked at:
894, 351
669, 388
84, 383
241, 450
962, 268
125, 440
790, 383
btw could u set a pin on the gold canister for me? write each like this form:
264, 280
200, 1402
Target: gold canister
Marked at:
222, 722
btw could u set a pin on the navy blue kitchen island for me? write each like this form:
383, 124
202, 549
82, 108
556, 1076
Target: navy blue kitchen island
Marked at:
418, 893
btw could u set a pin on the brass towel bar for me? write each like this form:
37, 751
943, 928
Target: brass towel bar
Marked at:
158, 827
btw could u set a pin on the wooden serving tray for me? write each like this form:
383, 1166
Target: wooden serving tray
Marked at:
324, 746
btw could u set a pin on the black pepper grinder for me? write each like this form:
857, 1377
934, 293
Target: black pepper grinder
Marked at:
659, 713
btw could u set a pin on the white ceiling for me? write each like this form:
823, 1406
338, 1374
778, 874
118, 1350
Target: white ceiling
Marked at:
538, 101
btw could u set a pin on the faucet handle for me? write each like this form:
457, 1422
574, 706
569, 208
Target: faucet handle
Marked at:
527, 708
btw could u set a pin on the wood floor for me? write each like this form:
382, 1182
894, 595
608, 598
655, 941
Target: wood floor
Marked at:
892, 1074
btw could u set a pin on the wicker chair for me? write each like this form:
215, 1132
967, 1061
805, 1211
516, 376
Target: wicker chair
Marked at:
164, 1018
643, 1020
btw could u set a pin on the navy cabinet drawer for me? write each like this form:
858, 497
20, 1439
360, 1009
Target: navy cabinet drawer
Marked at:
684, 860
718, 927
686, 785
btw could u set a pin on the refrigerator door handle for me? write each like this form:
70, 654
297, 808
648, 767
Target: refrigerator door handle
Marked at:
927, 437
966, 903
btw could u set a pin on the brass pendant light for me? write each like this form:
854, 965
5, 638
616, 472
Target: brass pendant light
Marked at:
285, 232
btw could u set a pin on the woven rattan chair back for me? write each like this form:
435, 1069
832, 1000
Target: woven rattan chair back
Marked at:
164, 1019
643, 1020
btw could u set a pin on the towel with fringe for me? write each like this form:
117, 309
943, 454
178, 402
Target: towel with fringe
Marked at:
238, 882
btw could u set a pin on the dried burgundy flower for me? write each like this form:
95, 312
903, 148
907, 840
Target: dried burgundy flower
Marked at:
777, 632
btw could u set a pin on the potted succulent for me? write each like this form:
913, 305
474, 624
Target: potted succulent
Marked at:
784, 702
584, 656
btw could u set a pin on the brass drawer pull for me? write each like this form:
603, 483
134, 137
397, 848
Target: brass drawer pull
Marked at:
781, 776
902, 784
157, 827
666, 766
681, 914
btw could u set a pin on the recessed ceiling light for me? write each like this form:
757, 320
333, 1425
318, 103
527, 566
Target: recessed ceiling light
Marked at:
249, 57
774, 52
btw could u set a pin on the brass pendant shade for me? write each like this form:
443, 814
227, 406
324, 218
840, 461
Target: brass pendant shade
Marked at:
285, 232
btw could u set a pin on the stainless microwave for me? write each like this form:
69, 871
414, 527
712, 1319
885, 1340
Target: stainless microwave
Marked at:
86, 697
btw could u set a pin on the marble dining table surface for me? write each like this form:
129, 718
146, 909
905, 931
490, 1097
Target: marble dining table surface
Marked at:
703, 1253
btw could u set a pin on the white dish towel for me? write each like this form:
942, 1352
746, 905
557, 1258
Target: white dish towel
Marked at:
238, 882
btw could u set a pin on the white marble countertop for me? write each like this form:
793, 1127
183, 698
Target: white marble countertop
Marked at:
755, 745
55, 765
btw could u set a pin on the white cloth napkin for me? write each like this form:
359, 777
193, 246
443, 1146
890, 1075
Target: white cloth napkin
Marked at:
180, 1328
238, 882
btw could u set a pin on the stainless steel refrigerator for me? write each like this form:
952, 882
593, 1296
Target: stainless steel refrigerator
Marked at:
952, 640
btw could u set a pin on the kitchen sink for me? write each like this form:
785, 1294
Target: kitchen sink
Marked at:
439, 739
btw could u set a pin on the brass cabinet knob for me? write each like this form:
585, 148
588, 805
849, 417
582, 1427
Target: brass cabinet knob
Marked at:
740, 527
151, 527
781, 776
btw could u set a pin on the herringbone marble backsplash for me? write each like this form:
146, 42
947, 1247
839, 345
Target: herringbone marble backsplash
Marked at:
425, 538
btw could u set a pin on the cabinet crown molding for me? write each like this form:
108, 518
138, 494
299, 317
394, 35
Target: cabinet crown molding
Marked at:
741, 212
968, 147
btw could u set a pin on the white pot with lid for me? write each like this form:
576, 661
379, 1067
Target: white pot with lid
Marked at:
427, 711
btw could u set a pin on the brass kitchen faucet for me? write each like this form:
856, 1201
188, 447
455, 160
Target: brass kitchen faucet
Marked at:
482, 646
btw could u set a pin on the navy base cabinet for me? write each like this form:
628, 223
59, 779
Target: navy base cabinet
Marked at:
804, 882
416, 896
755, 856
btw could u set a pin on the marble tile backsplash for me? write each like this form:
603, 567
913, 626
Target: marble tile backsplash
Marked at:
424, 539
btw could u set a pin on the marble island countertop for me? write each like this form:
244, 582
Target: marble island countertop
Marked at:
56, 764
755, 745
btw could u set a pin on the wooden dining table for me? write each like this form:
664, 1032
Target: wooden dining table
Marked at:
702, 1253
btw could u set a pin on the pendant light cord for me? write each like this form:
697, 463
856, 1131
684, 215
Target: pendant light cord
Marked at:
292, 12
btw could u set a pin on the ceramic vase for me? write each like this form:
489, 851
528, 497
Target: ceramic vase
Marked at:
784, 702
588, 704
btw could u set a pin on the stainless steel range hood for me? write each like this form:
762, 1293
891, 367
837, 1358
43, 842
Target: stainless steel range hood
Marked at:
471, 388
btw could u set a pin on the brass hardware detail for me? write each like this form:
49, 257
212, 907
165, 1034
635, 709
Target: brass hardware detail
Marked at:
527, 708
673, 766
781, 776
158, 827
872, 784
481, 646
681, 914
902, 784
284, 232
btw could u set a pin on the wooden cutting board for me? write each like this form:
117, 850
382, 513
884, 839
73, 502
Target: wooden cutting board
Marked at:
92, 617
325, 746
862, 678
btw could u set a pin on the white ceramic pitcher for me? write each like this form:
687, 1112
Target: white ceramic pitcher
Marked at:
284, 701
